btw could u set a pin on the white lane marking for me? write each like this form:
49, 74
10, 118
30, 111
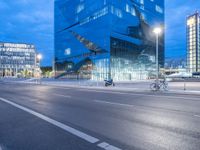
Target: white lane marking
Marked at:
107, 146
69, 129
197, 116
67, 96
57, 87
111, 103
100, 91
159, 96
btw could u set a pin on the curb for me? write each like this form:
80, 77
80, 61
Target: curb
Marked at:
122, 89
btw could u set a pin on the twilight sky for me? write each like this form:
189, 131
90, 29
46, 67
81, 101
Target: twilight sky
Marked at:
28, 21
176, 12
31, 21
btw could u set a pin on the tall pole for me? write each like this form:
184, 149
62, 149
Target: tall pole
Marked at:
39, 57
109, 75
40, 70
157, 60
1, 67
53, 67
157, 32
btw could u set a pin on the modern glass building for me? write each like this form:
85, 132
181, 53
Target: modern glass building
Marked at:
15, 58
100, 39
193, 43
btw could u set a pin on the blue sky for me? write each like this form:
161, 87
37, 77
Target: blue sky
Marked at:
176, 13
31, 21
28, 21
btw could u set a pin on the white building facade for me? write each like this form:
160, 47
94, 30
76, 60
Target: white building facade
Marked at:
193, 43
17, 58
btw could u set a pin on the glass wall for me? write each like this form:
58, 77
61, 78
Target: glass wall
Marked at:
98, 39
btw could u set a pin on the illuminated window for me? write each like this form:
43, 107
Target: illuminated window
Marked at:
159, 9
80, 8
130, 10
191, 21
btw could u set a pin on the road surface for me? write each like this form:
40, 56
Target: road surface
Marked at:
39, 117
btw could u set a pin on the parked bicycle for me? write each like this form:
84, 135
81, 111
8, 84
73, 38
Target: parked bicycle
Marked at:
159, 85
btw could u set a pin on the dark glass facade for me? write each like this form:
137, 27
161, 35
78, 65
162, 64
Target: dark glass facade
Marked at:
99, 39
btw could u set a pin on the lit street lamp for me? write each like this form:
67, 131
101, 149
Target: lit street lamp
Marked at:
157, 32
0, 67
39, 58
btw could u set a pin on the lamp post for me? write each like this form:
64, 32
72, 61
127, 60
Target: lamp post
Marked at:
157, 32
1, 63
39, 58
0, 66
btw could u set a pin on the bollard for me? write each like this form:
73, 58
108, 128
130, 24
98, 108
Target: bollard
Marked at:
184, 85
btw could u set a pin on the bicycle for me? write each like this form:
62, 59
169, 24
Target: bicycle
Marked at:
158, 85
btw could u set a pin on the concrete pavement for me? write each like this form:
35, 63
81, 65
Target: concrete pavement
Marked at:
139, 86
118, 119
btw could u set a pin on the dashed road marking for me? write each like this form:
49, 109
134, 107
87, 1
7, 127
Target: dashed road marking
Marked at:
67, 96
111, 103
107, 146
100, 91
197, 116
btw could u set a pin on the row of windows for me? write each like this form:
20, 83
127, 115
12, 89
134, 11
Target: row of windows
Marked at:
192, 45
17, 49
17, 53
192, 50
193, 32
118, 12
105, 10
96, 15
130, 10
8, 66
191, 35
192, 39
81, 6
17, 57
11, 45
6, 63
158, 8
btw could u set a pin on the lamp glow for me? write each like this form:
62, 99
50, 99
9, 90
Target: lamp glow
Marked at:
157, 30
39, 56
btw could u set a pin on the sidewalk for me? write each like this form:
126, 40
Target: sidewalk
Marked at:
129, 86
138, 86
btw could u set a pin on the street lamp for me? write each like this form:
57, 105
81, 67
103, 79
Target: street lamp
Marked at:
0, 66
39, 58
157, 31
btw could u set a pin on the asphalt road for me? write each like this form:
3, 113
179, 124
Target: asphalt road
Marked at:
38, 117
